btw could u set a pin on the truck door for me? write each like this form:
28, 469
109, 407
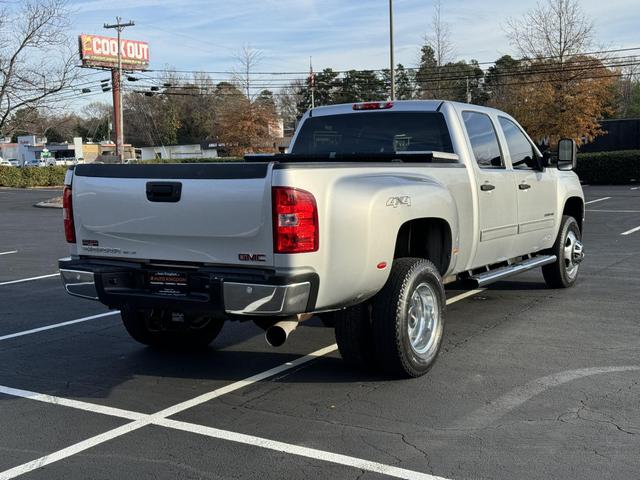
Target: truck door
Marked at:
536, 192
497, 202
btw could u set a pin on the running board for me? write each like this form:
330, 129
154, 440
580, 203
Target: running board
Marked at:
485, 278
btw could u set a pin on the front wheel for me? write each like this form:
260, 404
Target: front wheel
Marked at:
568, 249
408, 318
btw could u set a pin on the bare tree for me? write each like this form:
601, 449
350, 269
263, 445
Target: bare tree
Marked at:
553, 28
440, 37
248, 59
289, 100
36, 58
441, 46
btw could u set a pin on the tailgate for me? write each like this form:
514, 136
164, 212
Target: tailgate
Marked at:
203, 213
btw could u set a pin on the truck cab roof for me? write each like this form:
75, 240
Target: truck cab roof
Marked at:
397, 106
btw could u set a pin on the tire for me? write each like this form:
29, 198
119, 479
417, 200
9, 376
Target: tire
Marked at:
563, 273
354, 336
412, 301
146, 327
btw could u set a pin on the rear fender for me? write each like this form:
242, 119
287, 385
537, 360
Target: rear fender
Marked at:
363, 225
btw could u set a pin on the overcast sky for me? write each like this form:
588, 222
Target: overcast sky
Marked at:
342, 34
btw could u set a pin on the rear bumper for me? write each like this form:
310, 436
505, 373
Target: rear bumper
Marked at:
221, 291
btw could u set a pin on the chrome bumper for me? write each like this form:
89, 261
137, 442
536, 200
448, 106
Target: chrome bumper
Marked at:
79, 283
238, 298
255, 299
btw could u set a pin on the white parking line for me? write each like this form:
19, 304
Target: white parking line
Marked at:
629, 232
160, 418
29, 279
57, 325
464, 295
597, 200
251, 440
613, 211
312, 453
635, 188
9, 253
486, 415
65, 402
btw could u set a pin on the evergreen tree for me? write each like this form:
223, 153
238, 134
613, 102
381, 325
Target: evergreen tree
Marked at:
427, 74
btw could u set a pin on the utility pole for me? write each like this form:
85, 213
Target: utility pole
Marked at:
391, 60
116, 80
312, 80
468, 92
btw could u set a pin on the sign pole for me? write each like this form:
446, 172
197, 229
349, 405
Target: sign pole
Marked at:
116, 76
117, 111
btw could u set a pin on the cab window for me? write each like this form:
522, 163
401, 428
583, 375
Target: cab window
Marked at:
484, 140
522, 153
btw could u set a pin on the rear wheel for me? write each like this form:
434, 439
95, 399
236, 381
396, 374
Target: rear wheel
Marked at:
354, 336
168, 329
568, 249
408, 318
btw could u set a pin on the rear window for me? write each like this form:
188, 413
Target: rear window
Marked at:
373, 132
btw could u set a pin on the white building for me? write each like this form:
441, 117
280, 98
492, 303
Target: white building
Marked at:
177, 152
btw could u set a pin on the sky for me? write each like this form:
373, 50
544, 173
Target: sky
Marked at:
342, 34
206, 35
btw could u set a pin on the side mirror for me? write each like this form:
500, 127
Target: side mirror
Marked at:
567, 154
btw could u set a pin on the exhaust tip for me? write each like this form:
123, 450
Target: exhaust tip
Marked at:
276, 336
278, 333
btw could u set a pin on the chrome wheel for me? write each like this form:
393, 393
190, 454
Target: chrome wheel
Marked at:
424, 319
573, 254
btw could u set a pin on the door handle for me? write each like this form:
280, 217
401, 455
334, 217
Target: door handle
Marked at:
487, 187
524, 186
169, 192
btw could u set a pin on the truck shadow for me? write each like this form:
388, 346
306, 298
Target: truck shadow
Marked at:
95, 365
92, 364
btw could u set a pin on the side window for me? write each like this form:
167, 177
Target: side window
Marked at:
522, 154
484, 140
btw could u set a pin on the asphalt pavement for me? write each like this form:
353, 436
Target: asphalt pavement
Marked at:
532, 383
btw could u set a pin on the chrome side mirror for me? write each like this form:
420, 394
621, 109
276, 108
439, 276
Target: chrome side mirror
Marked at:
567, 154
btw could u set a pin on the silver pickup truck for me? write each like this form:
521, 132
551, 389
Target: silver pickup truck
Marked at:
375, 208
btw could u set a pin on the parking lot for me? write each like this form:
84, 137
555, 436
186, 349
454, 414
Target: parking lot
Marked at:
532, 383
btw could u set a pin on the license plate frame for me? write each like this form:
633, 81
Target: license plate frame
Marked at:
168, 283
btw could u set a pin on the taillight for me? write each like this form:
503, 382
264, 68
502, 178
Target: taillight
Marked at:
373, 106
67, 215
295, 221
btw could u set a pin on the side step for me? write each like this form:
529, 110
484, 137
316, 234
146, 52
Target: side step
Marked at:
485, 278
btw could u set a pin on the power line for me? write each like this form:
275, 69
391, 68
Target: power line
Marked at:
597, 52
423, 79
448, 88
574, 66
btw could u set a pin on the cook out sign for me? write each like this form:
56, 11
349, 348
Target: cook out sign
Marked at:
96, 50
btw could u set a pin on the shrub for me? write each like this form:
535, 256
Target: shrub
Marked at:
32, 177
613, 168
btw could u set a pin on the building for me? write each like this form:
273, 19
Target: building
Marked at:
178, 152
8, 150
31, 147
620, 134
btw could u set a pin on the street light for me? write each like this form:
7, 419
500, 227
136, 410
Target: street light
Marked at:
391, 61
